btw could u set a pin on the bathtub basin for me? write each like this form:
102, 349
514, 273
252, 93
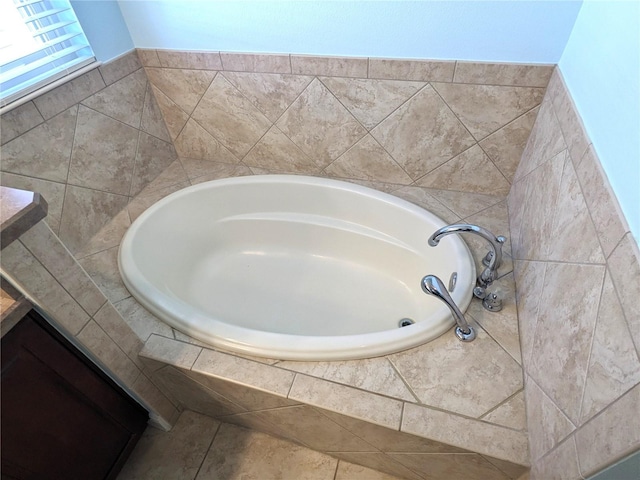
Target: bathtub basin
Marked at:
293, 267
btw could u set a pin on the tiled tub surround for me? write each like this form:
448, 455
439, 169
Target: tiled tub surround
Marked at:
316, 116
88, 147
577, 273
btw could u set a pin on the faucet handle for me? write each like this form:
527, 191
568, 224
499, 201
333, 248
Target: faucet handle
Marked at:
487, 258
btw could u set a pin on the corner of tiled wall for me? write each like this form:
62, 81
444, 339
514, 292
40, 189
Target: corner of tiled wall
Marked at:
88, 146
577, 270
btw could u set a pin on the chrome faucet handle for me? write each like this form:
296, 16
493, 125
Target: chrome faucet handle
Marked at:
486, 261
432, 285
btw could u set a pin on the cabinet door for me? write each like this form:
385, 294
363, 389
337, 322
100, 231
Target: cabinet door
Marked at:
62, 418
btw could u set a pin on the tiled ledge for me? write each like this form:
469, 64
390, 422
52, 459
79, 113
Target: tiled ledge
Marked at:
329, 416
481, 73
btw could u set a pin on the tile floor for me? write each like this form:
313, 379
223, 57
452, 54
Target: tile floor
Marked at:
201, 448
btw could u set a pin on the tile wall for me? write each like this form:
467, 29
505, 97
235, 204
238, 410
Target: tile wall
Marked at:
87, 146
577, 273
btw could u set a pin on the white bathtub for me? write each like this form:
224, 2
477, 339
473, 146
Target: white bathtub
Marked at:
293, 267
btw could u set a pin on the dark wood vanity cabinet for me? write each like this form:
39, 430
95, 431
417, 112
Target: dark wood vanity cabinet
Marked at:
62, 417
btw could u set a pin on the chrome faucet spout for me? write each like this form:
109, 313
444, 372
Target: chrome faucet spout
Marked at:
493, 258
432, 285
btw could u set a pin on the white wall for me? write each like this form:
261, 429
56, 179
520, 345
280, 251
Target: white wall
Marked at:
515, 31
601, 66
104, 27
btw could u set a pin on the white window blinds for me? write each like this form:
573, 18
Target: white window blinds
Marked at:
40, 42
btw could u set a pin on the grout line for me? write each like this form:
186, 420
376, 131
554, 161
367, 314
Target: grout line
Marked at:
406, 383
204, 457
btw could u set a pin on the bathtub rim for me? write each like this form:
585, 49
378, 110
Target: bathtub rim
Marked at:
289, 346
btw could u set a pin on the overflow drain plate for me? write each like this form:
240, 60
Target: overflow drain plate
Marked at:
405, 322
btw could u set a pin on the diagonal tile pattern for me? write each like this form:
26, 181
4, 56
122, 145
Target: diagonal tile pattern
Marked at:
184, 87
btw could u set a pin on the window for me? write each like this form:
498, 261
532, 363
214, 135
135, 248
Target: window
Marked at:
40, 42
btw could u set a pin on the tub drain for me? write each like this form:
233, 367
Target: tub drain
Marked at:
405, 322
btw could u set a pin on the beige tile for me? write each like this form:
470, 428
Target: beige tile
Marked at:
142, 202
372, 374
245, 372
611, 435
570, 122
123, 100
501, 325
175, 454
232, 119
270, 93
276, 152
503, 74
470, 171
624, 266
329, 66
84, 213
388, 440
608, 219
347, 400
370, 101
510, 414
420, 70
68, 94
103, 154
484, 109
152, 158
560, 464
542, 193
571, 218
52, 192
191, 395
453, 389
351, 471
48, 249
464, 204
547, 424
105, 350
189, 59
318, 124
305, 425
256, 62
367, 160
172, 175
423, 133
529, 278
566, 320
511, 470
120, 67
423, 199
143, 323
18, 121
452, 466
174, 117
195, 142
253, 421
204, 170
545, 142
613, 364
379, 462
44, 151
151, 121
102, 267
27, 272
148, 57
108, 236
167, 350
237, 453
184, 87
114, 325
480, 437
505, 146
157, 401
